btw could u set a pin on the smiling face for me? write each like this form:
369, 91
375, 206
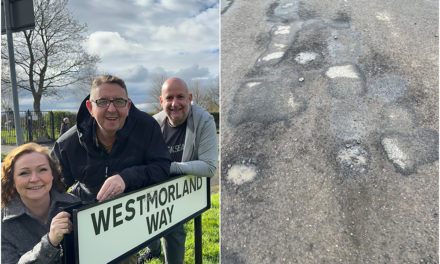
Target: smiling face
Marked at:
109, 119
32, 177
175, 100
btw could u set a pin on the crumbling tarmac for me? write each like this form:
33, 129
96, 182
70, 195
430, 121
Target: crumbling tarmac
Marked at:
329, 132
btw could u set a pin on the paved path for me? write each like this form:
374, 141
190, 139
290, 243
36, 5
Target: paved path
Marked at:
5, 149
329, 132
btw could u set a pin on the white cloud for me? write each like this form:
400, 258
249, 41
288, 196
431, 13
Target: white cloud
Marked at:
144, 3
110, 44
159, 71
136, 74
193, 72
175, 5
137, 40
191, 34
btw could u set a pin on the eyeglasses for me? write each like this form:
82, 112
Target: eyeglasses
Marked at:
104, 102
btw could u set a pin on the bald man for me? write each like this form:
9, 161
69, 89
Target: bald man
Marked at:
190, 133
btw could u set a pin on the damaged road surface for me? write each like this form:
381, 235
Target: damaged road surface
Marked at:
329, 131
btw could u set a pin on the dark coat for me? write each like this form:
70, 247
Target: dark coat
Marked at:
139, 154
24, 237
64, 128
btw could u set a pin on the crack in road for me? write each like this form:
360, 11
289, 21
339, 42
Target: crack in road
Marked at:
312, 73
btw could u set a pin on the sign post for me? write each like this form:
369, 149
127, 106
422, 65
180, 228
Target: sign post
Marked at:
198, 239
17, 15
110, 231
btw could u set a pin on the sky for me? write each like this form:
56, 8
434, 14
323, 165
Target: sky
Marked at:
137, 40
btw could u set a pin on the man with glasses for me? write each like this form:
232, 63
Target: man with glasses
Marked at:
114, 147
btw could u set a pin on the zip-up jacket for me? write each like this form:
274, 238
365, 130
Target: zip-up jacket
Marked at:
139, 154
25, 237
200, 153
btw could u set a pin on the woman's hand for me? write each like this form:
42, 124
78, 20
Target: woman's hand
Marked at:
60, 225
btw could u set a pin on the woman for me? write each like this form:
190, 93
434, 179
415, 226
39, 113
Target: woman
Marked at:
32, 193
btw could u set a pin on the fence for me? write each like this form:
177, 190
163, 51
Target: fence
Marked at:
41, 127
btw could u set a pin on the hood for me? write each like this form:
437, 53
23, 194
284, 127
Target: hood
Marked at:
86, 124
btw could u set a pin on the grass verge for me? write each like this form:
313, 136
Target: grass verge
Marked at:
210, 236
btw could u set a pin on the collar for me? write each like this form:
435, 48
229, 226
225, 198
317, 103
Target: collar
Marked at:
96, 140
181, 125
16, 208
94, 134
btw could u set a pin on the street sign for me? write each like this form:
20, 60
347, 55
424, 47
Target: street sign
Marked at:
110, 231
22, 15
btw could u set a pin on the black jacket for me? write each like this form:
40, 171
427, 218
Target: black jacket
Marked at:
64, 128
139, 154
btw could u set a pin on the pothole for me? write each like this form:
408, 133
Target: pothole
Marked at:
239, 174
408, 151
389, 88
398, 118
305, 57
353, 158
286, 10
351, 119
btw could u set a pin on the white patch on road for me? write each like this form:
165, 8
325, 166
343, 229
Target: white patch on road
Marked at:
347, 71
272, 56
287, 5
383, 16
295, 104
252, 84
282, 30
386, 18
353, 157
305, 57
291, 102
395, 154
240, 174
279, 46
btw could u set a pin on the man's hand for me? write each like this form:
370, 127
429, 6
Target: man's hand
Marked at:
59, 226
112, 187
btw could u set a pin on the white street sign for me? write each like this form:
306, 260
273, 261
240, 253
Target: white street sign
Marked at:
107, 230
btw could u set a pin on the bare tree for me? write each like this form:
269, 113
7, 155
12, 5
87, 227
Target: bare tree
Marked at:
212, 96
198, 94
6, 101
206, 96
50, 58
6, 97
83, 87
156, 91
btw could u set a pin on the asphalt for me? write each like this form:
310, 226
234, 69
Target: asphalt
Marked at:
329, 131
5, 149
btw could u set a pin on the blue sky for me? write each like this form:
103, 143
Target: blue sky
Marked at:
140, 39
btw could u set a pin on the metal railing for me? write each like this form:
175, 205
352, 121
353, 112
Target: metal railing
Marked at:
40, 127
